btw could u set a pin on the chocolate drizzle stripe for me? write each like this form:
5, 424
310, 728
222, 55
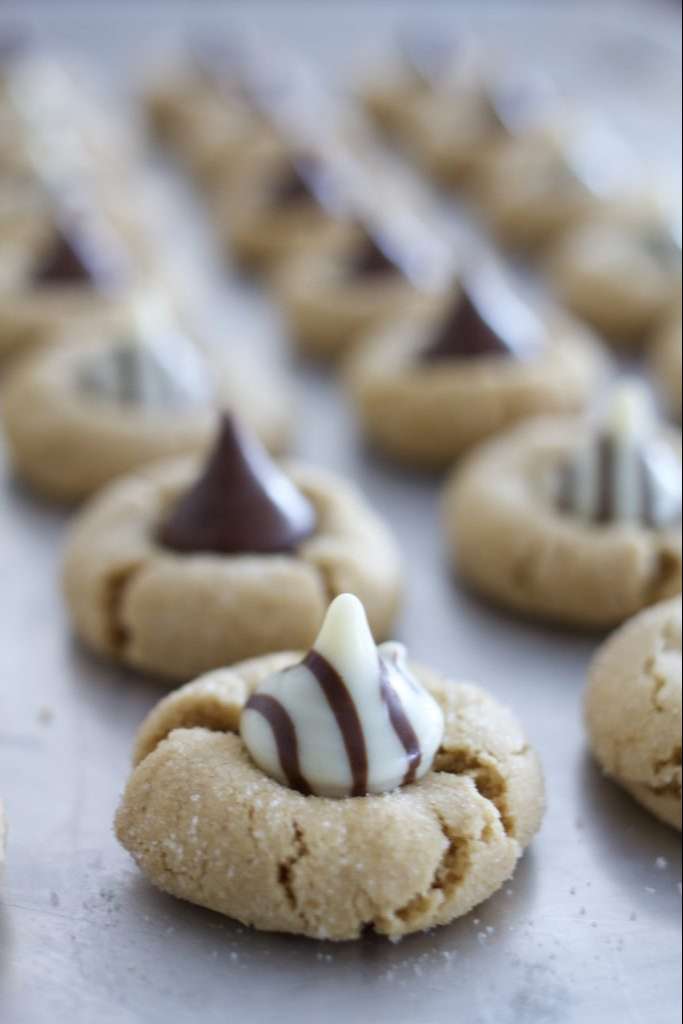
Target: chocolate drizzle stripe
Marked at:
605, 469
401, 724
647, 492
348, 720
284, 734
567, 489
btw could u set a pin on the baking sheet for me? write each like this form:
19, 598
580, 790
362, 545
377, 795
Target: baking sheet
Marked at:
587, 931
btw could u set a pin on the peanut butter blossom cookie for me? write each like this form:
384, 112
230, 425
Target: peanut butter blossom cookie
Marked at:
620, 273
570, 520
64, 266
541, 183
182, 568
423, 63
202, 111
130, 389
427, 390
459, 129
331, 794
633, 709
333, 296
291, 202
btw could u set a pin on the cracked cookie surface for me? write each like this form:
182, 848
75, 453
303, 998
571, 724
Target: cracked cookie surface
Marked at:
509, 542
178, 615
206, 825
633, 709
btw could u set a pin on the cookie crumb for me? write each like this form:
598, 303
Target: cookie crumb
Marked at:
661, 863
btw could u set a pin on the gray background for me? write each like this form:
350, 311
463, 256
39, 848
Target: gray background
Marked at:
589, 928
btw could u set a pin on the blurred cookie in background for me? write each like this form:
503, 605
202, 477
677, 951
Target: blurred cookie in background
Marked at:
291, 202
426, 390
575, 521
620, 271
114, 394
537, 185
335, 295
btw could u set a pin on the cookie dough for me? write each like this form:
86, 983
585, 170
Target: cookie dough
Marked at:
177, 612
633, 709
103, 400
511, 542
621, 274
666, 363
340, 292
427, 412
206, 825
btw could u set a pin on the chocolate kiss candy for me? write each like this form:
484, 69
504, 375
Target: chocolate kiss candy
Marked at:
372, 260
349, 719
623, 473
294, 185
242, 503
63, 264
486, 319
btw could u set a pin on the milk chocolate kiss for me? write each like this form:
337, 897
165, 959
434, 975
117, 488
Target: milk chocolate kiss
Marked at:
486, 318
63, 263
372, 260
466, 332
294, 185
242, 503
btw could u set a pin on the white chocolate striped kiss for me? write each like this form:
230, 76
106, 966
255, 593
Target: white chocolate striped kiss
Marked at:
155, 367
623, 473
346, 721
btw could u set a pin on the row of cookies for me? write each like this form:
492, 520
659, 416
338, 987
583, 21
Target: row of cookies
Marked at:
555, 185
104, 367
431, 386
70, 241
272, 789
418, 856
436, 360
